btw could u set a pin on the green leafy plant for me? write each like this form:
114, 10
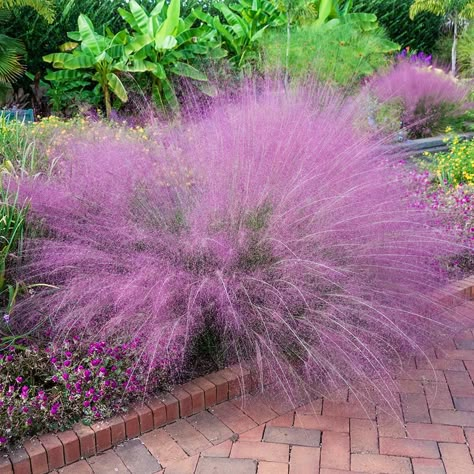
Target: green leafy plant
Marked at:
94, 57
11, 49
245, 25
341, 51
41, 38
456, 166
164, 46
12, 227
65, 97
11, 52
45, 8
453, 10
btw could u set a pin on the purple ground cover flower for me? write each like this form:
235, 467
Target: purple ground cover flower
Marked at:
49, 395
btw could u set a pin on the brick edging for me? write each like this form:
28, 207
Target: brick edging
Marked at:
53, 451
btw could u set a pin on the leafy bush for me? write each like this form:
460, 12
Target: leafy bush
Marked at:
52, 387
455, 166
429, 97
337, 52
270, 223
421, 33
245, 24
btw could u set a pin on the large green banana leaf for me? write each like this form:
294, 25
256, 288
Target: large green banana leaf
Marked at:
116, 86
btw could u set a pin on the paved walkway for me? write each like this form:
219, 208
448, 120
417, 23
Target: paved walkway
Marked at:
434, 434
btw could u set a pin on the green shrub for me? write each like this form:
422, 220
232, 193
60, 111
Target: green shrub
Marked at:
337, 53
456, 166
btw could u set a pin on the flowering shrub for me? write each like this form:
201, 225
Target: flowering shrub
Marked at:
50, 388
270, 223
429, 97
457, 165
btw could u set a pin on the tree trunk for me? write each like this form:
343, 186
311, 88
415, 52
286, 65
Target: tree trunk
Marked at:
108, 106
455, 46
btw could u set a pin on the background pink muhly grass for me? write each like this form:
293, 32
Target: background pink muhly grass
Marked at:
270, 222
428, 96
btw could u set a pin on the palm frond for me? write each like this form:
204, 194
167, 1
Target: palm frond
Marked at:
437, 7
11, 52
45, 8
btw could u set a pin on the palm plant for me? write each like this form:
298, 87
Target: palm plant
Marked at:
45, 8
11, 49
453, 10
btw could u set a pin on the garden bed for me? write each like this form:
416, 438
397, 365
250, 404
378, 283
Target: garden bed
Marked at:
53, 451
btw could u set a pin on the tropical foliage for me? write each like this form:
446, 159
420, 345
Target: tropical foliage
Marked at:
160, 44
453, 10
466, 52
45, 8
332, 9
245, 25
94, 57
164, 45
41, 38
11, 49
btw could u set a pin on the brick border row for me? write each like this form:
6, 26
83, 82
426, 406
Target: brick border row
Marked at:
53, 451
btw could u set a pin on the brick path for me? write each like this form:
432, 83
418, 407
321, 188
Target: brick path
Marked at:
434, 433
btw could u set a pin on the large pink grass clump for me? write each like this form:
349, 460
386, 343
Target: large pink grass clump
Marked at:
428, 97
269, 224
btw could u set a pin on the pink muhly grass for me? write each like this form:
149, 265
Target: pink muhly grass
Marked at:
270, 222
428, 96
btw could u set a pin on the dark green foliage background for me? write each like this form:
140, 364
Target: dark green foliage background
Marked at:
420, 34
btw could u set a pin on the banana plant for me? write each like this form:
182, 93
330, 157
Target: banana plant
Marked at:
332, 9
164, 46
245, 24
92, 57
